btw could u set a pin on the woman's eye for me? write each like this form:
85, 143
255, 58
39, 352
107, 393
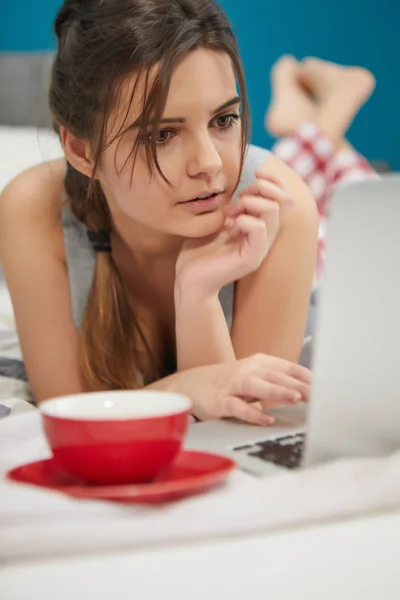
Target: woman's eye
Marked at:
161, 137
226, 121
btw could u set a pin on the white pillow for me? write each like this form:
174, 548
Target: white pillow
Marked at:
24, 147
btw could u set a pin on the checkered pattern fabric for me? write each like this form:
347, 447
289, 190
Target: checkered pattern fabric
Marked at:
311, 154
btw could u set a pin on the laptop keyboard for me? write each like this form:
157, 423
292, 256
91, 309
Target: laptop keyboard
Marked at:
285, 451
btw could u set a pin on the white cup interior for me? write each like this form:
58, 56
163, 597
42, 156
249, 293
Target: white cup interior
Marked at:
116, 405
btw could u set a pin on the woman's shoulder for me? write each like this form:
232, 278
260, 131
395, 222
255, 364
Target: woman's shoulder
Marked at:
33, 200
37, 190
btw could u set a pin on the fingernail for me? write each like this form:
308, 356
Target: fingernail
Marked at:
297, 398
269, 420
265, 188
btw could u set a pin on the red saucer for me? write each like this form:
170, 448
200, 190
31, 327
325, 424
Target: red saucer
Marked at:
191, 473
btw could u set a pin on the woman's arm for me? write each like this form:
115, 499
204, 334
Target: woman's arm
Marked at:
271, 303
202, 334
31, 253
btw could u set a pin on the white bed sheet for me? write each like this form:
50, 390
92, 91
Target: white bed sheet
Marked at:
38, 524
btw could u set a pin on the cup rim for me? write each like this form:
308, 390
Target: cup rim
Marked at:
62, 407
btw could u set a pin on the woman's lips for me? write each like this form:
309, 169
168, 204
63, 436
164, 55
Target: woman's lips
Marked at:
199, 206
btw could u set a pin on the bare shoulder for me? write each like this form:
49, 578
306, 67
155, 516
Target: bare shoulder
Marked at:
32, 202
33, 259
303, 201
38, 178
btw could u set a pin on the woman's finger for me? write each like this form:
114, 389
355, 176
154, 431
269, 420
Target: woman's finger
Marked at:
269, 394
238, 409
254, 205
273, 178
298, 371
275, 188
264, 364
254, 188
272, 191
290, 383
254, 227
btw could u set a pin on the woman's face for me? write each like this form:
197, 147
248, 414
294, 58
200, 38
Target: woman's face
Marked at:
198, 150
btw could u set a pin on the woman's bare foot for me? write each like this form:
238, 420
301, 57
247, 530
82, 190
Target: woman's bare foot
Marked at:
290, 105
339, 91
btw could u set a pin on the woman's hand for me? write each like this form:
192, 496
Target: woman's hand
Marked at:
250, 228
242, 389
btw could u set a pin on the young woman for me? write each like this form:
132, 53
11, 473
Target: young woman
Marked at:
129, 264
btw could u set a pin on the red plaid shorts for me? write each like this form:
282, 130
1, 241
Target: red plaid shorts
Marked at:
311, 154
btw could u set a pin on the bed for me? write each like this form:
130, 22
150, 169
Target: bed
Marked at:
337, 491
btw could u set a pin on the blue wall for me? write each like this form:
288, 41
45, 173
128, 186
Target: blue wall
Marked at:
364, 32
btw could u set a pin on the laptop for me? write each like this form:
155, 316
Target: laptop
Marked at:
354, 409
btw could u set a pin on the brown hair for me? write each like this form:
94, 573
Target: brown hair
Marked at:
101, 43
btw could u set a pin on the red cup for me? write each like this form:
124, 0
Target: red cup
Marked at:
117, 437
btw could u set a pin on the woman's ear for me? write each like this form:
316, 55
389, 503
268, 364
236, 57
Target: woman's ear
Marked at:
77, 152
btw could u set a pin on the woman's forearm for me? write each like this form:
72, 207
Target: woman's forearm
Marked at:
202, 334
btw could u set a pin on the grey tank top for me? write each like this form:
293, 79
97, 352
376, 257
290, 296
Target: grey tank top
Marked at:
81, 258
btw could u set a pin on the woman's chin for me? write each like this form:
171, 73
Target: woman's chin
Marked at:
205, 224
